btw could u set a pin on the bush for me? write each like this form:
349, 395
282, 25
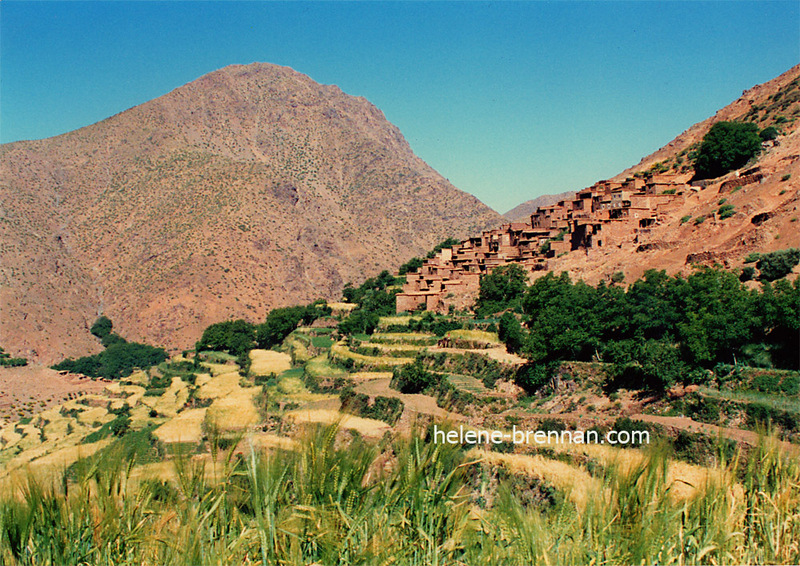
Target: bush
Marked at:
776, 265
752, 257
768, 133
726, 211
654, 364
533, 377
726, 146
360, 321
413, 378
748, 273
118, 360
386, 409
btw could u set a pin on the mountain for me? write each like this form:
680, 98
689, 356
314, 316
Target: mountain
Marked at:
522, 212
249, 188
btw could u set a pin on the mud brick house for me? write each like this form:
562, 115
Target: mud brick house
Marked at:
608, 213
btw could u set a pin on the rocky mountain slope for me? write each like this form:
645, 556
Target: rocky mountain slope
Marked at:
765, 195
249, 188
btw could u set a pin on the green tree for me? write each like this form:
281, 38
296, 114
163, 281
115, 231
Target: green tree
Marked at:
102, 327
726, 146
510, 332
501, 289
360, 321
233, 336
654, 364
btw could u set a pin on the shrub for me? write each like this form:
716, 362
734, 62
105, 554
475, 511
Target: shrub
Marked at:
118, 360
726, 146
768, 133
748, 273
654, 364
386, 409
686, 219
752, 257
413, 378
501, 289
533, 377
779, 264
360, 321
726, 211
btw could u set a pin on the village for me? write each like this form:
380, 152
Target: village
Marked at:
609, 213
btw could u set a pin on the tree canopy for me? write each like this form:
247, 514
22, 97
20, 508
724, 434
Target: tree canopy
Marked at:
726, 146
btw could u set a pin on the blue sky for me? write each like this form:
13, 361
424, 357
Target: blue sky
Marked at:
508, 100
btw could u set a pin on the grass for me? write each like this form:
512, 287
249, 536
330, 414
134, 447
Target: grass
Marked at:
408, 502
265, 362
322, 341
186, 427
366, 427
479, 336
782, 402
466, 383
396, 320
321, 367
341, 351
404, 338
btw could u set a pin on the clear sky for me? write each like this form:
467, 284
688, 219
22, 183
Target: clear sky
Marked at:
508, 100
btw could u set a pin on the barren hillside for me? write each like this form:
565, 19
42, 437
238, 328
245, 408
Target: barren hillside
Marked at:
249, 188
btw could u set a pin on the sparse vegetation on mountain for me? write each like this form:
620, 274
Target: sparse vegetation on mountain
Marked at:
249, 205
726, 146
